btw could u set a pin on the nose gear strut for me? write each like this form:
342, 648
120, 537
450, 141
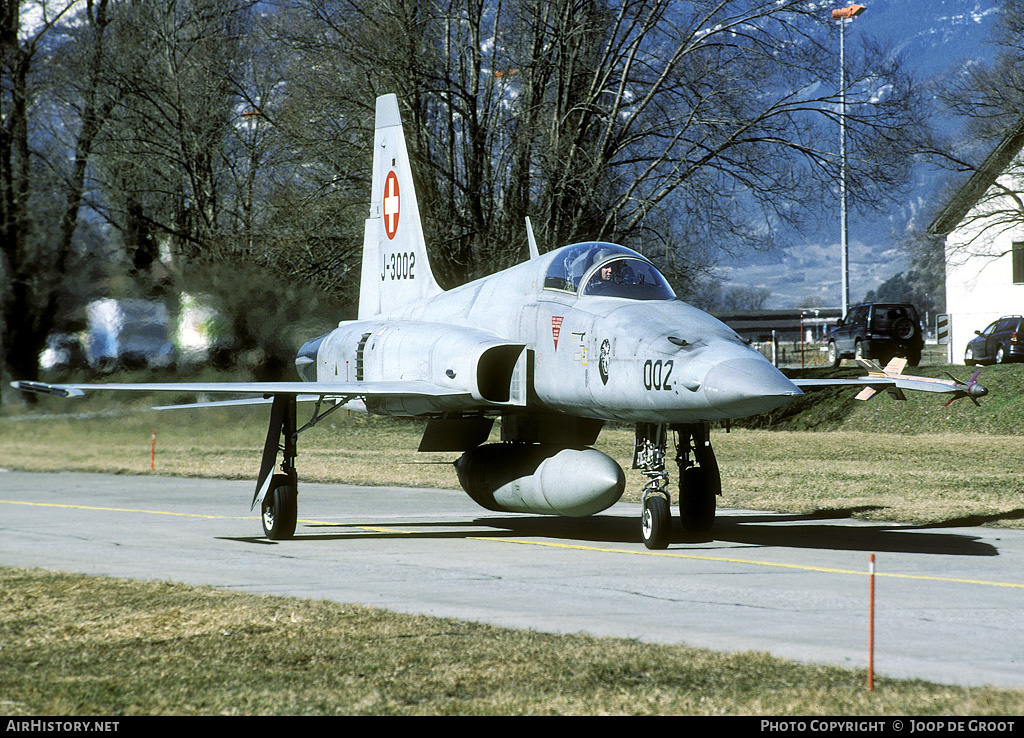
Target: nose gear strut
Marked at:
699, 480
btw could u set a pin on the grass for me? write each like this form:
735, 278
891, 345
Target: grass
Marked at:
882, 460
1000, 413
76, 645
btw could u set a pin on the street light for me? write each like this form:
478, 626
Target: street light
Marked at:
843, 16
849, 12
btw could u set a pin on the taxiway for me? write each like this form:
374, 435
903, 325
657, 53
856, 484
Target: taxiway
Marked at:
948, 600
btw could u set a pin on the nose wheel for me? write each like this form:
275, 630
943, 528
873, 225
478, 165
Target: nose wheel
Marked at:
656, 522
649, 458
700, 482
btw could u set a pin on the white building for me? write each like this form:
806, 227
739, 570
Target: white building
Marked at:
983, 226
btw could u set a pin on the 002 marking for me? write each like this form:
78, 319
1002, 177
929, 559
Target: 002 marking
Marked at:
656, 374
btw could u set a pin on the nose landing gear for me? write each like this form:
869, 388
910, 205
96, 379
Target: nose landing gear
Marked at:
700, 482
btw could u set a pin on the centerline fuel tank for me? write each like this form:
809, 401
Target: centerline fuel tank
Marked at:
540, 478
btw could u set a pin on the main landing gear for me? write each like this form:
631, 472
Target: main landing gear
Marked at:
700, 482
277, 494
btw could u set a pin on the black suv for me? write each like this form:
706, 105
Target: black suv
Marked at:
997, 344
877, 330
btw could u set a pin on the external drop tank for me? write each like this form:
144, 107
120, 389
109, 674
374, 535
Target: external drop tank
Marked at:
541, 478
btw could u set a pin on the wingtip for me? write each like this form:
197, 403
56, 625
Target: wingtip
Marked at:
42, 388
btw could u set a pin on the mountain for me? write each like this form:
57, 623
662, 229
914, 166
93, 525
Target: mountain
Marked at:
933, 38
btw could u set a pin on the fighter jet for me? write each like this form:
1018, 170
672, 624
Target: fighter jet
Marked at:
554, 347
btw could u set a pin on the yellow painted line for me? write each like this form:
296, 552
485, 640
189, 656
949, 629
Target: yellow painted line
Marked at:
550, 544
126, 509
752, 562
720, 559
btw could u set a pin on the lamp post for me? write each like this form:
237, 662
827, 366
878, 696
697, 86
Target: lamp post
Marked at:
843, 16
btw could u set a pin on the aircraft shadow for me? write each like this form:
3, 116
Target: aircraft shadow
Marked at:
768, 530
880, 537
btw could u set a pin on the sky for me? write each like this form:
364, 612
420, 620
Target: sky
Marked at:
933, 37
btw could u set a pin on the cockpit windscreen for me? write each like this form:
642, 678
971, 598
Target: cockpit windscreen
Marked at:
630, 278
608, 270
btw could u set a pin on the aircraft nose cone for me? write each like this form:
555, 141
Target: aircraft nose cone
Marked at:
741, 387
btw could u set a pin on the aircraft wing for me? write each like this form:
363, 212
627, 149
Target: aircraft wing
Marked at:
257, 391
892, 380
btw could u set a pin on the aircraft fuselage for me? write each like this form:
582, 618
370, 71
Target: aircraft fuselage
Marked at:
585, 355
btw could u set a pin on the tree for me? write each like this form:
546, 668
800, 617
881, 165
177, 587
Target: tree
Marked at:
164, 160
985, 190
42, 196
648, 122
308, 145
228, 130
746, 298
919, 288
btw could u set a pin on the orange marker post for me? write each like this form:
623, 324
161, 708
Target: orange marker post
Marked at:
871, 624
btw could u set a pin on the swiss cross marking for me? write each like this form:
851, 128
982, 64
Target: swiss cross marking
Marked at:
392, 205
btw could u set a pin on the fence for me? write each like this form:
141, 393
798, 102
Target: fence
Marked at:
807, 354
794, 353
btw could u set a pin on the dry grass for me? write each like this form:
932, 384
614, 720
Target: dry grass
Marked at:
72, 645
75, 645
972, 478
926, 479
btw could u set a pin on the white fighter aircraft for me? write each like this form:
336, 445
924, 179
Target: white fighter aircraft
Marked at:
556, 347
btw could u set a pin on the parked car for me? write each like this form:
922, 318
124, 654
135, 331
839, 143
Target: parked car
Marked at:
63, 351
878, 330
128, 333
998, 343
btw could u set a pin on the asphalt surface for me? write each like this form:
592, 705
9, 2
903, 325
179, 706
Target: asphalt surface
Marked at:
948, 600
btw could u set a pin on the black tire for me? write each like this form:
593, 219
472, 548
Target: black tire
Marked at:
904, 329
913, 358
969, 359
834, 359
280, 509
1001, 355
656, 522
858, 350
698, 497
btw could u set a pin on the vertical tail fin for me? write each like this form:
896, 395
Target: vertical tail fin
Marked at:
395, 270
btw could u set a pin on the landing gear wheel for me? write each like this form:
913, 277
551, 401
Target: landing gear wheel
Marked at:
700, 482
656, 522
698, 494
280, 509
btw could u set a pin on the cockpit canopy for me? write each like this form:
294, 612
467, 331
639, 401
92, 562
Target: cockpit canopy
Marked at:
606, 270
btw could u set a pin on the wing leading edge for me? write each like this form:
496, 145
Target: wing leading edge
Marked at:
257, 391
892, 381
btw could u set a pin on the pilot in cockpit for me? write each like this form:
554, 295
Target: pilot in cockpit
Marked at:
618, 272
